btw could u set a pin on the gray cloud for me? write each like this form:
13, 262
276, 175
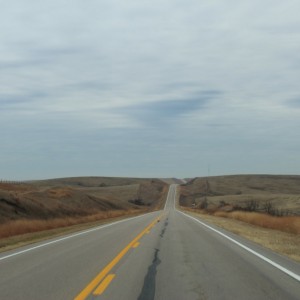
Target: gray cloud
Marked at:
157, 113
147, 77
22, 102
293, 103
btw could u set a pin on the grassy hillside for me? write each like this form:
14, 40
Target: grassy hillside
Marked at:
76, 200
89, 181
249, 192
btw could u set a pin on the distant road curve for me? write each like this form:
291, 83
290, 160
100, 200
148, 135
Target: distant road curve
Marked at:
162, 255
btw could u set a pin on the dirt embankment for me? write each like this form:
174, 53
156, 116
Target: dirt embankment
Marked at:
47, 204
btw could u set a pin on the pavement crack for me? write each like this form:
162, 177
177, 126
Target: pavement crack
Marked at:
148, 290
164, 229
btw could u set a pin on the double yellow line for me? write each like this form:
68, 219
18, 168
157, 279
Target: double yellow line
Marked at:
103, 279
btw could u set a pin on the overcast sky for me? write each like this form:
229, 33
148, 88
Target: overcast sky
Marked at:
164, 88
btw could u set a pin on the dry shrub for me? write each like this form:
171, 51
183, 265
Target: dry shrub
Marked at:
289, 224
18, 227
60, 192
222, 214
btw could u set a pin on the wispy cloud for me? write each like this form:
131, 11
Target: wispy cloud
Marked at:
154, 80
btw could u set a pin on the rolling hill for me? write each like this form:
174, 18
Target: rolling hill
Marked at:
78, 196
280, 192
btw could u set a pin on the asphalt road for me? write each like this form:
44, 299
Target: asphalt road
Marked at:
162, 255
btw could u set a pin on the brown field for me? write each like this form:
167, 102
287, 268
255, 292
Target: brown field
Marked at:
48, 204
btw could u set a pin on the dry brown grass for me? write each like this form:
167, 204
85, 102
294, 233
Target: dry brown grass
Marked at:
15, 187
23, 226
60, 192
289, 224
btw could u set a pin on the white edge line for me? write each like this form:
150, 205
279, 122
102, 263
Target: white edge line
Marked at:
288, 272
71, 236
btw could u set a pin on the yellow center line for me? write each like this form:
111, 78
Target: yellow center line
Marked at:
136, 245
104, 284
92, 285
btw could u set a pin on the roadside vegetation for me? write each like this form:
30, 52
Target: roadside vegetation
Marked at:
23, 226
262, 200
290, 224
43, 206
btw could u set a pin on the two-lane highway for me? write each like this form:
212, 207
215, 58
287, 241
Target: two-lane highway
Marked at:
161, 255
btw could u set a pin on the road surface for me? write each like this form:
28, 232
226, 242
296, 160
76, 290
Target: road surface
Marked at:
161, 255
